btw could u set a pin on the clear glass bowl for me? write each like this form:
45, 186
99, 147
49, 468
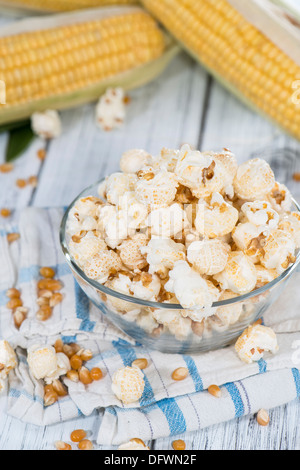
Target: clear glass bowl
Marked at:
136, 317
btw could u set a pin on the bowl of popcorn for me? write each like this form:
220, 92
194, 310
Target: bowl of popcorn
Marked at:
183, 250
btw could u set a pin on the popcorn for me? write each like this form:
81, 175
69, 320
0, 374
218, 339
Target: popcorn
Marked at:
280, 198
254, 341
115, 225
146, 286
191, 290
102, 265
200, 172
279, 249
208, 256
215, 218
111, 109
156, 188
134, 160
179, 326
83, 215
167, 159
45, 363
134, 444
264, 275
239, 275
46, 124
254, 180
117, 184
134, 212
229, 314
130, 252
86, 247
162, 254
147, 322
290, 223
261, 214
8, 361
122, 283
167, 222
128, 384
246, 236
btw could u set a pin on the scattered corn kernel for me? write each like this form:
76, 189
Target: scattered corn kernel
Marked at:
21, 183
86, 355
296, 176
12, 237
6, 167
85, 376
263, 418
85, 444
55, 299
44, 313
96, 373
215, 391
141, 363
14, 303
60, 445
33, 181
73, 375
77, 435
76, 362
13, 293
47, 272
41, 154
180, 374
178, 445
5, 212
50, 398
50, 284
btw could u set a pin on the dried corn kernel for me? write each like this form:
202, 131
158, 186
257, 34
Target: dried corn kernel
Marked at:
263, 417
215, 391
179, 444
77, 435
180, 374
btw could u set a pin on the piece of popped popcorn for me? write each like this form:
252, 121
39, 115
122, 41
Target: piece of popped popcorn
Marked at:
84, 248
208, 256
131, 254
134, 444
178, 326
254, 180
117, 184
47, 124
200, 172
162, 254
290, 223
280, 198
254, 341
44, 363
102, 265
190, 288
128, 384
168, 222
110, 111
132, 161
156, 188
279, 251
239, 275
215, 217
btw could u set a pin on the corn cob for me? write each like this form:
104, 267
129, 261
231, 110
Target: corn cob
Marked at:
61, 5
69, 59
241, 57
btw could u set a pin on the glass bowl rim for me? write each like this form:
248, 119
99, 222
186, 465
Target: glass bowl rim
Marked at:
159, 305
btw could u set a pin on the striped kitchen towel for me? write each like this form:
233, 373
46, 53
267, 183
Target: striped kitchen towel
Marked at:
166, 407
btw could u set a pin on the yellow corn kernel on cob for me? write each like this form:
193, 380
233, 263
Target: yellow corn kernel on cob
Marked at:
61, 5
238, 54
69, 59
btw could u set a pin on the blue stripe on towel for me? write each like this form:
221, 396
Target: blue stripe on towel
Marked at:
194, 373
236, 398
262, 366
173, 414
296, 375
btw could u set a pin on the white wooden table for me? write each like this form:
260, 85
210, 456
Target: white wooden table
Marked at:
183, 105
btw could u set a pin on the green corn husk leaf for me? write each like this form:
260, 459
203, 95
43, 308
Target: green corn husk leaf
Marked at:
128, 80
19, 140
